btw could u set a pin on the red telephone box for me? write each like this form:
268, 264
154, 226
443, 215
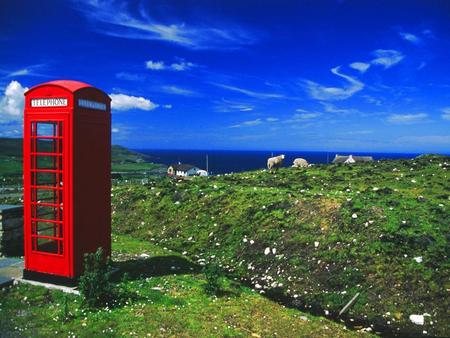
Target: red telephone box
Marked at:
67, 184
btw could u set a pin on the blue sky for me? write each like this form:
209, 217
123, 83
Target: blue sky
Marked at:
271, 75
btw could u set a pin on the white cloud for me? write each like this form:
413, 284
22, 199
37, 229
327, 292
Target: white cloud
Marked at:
360, 66
182, 65
12, 102
320, 92
387, 57
124, 102
329, 108
251, 123
228, 106
302, 117
160, 65
167, 106
272, 119
410, 37
118, 19
407, 118
115, 130
129, 76
155, 65
178, 91
19, 72
250, 93
446, 114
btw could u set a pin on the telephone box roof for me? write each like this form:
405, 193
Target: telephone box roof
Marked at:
70, 85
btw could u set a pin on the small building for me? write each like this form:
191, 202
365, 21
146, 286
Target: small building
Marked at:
182, 170
348, 159
202, 172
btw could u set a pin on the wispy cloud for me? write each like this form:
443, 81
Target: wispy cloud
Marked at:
228, 106
250, 93
422, 65
129, 76
12, 102
116, 18
250, 123
410, 37
360, 66
167, 106
32, 70
178, 91
330, 108
176, 66
407, 118
387, 57
302, 117
320, 92
446, 113
124, 102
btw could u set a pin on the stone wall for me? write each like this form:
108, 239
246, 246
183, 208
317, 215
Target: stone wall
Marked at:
11, 230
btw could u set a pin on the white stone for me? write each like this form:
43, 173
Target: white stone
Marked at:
267, 251
417, 319
354, 216
316, 244
418, 259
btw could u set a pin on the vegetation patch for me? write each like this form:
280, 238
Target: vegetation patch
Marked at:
316, 236
167, 298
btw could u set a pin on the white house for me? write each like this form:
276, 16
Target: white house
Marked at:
182, 170
348, 159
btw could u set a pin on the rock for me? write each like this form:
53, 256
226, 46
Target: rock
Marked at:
417, 319
267, 251
418, 259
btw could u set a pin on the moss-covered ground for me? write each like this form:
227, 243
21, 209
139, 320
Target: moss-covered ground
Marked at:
165, 298
315, 237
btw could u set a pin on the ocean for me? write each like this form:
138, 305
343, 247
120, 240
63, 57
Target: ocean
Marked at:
233, 161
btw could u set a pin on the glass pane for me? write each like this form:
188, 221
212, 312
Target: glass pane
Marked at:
47, 245
46, 128
46, 212
47, 179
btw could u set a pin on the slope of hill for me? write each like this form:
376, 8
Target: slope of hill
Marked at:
163, 296
315, 237
121, 158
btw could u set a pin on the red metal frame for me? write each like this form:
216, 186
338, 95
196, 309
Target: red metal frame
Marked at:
68, 216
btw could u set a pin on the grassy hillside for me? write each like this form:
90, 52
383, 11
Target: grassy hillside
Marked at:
165, 298
122, 159
315, 237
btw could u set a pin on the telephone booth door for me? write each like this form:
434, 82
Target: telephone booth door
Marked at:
46, 169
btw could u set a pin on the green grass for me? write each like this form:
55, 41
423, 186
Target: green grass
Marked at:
166, 298
369, 221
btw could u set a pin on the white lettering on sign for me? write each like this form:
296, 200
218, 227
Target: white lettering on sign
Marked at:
91, 104
50, 102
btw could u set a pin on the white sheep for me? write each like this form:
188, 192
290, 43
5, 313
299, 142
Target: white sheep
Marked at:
300, 163
274, 162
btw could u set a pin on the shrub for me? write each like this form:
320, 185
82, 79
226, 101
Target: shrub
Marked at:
95, 285
213, 276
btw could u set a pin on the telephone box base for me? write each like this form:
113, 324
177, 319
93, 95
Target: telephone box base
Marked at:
48, 278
